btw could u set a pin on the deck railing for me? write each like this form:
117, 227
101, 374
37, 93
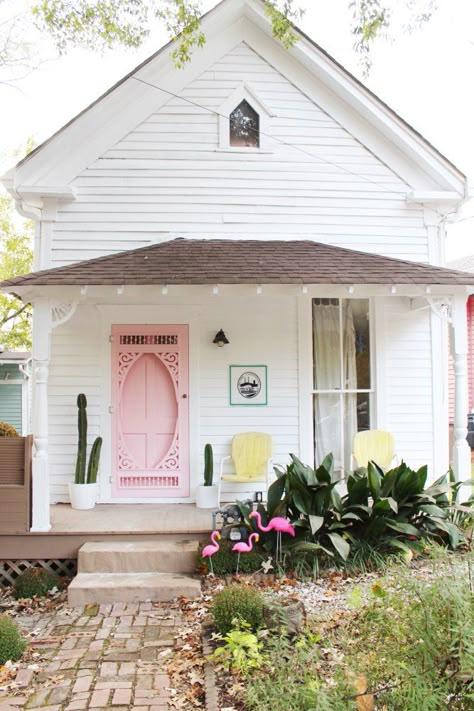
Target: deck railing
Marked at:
15, 484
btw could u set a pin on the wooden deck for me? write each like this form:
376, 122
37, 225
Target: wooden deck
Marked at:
107, 522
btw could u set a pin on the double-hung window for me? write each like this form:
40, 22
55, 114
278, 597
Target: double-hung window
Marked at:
342, 382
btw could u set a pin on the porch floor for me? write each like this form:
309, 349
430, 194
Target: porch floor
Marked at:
131, 518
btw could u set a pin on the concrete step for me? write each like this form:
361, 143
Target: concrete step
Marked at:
139, 557
130, 587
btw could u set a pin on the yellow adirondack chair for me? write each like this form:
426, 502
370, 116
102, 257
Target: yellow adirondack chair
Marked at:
251, 455
373, 446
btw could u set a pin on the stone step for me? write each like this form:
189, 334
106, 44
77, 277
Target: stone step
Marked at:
139, 557
98, 588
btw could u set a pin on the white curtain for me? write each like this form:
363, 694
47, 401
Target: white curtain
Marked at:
335, 413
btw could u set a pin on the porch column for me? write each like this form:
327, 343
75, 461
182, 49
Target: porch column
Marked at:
459, 343
40, 476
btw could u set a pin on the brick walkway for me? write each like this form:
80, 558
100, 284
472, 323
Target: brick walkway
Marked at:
98, 657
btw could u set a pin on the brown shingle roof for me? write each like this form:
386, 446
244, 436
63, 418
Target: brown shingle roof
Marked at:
194, 261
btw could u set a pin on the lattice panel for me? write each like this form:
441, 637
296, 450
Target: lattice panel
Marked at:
11, 569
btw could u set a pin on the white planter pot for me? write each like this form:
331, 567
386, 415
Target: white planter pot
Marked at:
83, 496
206, 497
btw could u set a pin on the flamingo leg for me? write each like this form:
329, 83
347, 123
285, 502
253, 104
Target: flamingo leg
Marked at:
212, 569
279, 555
238, 561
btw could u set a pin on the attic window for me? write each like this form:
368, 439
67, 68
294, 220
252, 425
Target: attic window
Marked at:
244, 127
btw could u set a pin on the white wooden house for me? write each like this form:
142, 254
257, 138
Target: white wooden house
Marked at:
261, 191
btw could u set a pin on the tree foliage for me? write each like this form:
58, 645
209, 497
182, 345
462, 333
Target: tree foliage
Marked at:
16, 257
101, 24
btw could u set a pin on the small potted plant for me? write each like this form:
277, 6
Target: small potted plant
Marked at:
83, 492
206, 494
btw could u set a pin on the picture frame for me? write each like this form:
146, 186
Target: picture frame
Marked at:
248, 385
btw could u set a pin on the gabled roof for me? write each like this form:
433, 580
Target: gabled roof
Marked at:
61, 158
220, 261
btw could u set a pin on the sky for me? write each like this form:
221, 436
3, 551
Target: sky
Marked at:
425, 76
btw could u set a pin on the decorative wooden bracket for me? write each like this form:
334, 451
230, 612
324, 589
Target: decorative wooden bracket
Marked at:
61, 312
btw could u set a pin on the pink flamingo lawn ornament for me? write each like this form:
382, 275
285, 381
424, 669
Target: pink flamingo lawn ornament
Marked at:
278, 524
212, 548
244, 548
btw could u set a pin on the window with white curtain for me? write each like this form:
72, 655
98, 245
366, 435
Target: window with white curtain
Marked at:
342, 384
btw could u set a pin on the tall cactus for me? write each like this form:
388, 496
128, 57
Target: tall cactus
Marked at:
94, 457
208, 465
80, 476
93, 467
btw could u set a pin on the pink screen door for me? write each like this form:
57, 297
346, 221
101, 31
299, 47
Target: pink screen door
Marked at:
150, 411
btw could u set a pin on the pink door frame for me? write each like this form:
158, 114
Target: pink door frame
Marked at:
150, 413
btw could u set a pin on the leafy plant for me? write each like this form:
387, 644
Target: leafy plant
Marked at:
16, 257
394, 507
35, 582
411, 648
432, 654
12, 645
289, 679
237, 603
242, 649
7, 430
387, 510
309, 498
461, 514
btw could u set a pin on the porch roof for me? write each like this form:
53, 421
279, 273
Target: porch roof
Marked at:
221, 261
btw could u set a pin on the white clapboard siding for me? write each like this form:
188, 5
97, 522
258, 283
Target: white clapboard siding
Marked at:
263, 338
268, 336
75, 368
168, 178
407, 380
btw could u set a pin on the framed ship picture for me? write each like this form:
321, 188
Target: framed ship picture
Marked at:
248, 384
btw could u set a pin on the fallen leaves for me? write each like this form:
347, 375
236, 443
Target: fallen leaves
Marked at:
364, 701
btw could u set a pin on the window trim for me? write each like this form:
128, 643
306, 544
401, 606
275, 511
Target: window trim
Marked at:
244, 93
341, 392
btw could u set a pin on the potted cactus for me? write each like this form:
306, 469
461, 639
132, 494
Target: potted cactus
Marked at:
206, 494
83, 492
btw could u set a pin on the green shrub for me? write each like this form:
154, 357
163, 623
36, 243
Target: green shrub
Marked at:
224, 562
413, 648
7, 430
236, 602
12, 645
35, 582
387, 509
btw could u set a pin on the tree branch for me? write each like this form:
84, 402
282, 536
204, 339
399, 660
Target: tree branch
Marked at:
14, 315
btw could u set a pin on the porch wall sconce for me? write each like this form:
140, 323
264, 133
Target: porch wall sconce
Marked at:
220, 339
